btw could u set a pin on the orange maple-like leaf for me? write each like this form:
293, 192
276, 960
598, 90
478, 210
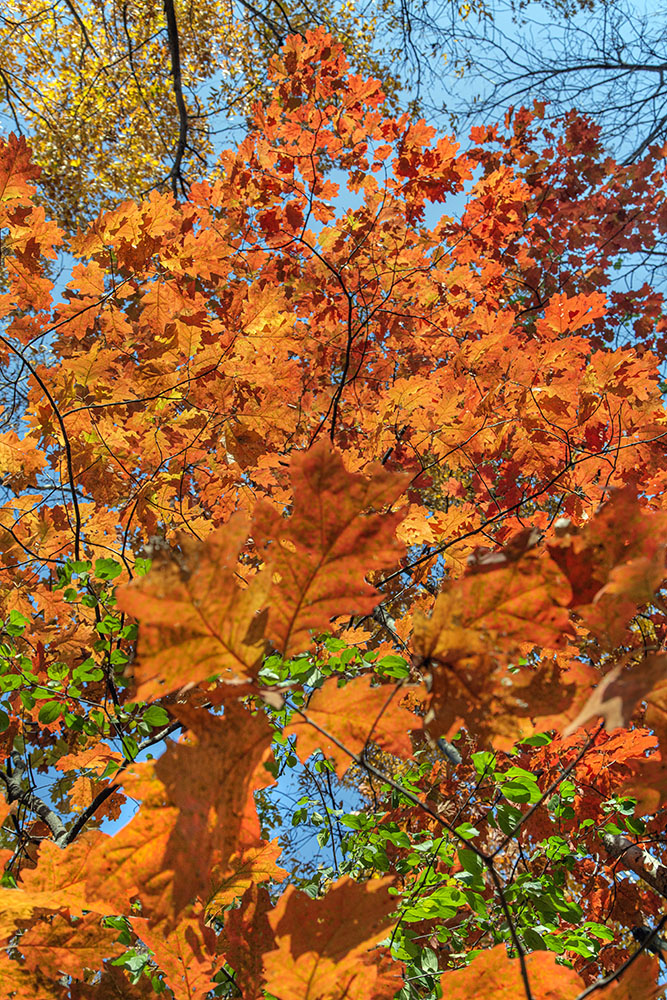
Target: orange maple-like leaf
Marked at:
95, 758
322, 554
565, 315
17, 169
22, 984
614, 563
501, 705
197, 812
247, 936
324, 945
523, 602
618, 694
59, 880
480, 624
195, 619
495, 976
64, 947
251, 866
640, 980
647, 783
355, 714
186, 955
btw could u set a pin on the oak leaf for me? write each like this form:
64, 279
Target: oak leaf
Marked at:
247, 936
250, 867
323, 946
195, 620
356, 714
59, 881
618, 694
522, 602
62, 946
22, 984
197, 812
615, 562
323, 552
641, 979
495, 976
186, 954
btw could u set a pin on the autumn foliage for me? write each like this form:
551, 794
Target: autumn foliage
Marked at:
375, 490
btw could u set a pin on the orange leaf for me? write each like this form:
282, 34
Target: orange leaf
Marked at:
324, 945
614, 563
195, 620
21, 984
323, 552
494, 976
62, 947
186, 954
618, 694
641, 980
356, 714
197, 811
251, 866
522, 602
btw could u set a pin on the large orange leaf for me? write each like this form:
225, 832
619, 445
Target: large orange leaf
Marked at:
186, 954
59, 879
247, 937
195, 619
641, 980
336, 536
614, 563
501, 705
619, 692
494, 976
197, 812
17, 169
480, 624
324, 945
61, 946
523, 602
356, 714
18, 982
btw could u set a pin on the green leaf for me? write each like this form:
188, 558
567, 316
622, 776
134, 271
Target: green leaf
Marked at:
534, 940
393, 666
467, 831
520, 791
538, 740
141, 566
470, 862
508, 817
50, 711
155, 716
15, 624
107, 569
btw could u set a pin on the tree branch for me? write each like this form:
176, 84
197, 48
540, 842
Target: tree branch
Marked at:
17, 793
175, 174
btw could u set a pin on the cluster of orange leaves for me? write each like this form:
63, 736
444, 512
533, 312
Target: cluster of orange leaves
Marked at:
301, 413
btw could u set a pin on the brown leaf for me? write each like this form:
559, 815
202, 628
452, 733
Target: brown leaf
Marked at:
618, 694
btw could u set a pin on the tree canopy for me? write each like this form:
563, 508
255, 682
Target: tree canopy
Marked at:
122, 98
318, 473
